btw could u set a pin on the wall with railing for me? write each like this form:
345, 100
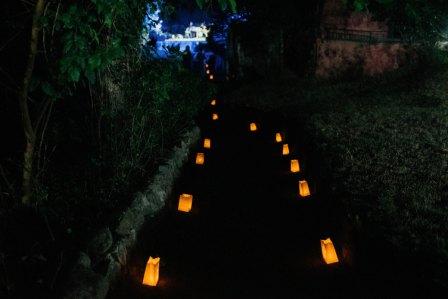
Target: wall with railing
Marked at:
355, 54
361, 36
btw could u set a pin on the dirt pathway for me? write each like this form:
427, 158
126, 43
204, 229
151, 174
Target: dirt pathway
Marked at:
249, 234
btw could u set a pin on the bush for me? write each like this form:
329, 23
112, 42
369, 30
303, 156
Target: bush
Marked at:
159, 101
103, 159
99, 151
104, 117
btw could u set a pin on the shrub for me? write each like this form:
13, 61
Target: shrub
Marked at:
159, 101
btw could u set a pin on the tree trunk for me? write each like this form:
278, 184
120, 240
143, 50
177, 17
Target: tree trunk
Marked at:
30, 136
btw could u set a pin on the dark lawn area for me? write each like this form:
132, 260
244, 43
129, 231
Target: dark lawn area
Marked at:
383, 144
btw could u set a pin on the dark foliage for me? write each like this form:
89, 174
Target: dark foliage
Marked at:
110, 114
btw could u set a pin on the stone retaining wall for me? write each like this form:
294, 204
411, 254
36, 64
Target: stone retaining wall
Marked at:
101, 262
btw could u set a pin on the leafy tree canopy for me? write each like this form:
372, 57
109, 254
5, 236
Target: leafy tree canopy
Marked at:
224, 4
416, 20
88, 36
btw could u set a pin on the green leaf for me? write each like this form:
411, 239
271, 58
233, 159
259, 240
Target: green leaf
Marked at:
386, 3
223, 4
94, 61
411, 11
74, 74
200, 3
108, 20
90, 74
360, 5
48, 89
64, 64
233, 5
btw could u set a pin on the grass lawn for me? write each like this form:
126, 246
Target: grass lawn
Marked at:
384, 145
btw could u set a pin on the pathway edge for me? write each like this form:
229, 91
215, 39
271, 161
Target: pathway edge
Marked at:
101, 263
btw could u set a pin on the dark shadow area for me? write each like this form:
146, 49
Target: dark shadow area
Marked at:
249, 235
277, 37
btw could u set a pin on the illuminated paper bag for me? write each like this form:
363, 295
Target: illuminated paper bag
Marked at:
278, 137
185, 203
285, 150
207, 143
295, 167
151, 276
200, 158
328, 251
304, 189
253, 127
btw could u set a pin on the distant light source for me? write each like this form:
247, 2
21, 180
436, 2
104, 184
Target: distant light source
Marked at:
185, 203
295, 167
253, 127
207, 143
328, 251
200, 158
215, 116
213, 102
151, 276
278, 137
208, 72
304, 189
211, 77
285, 150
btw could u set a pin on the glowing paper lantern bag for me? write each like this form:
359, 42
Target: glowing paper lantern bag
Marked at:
151, 276
200, 158
278, 137
295, 167
328, 251
185, 203
304, 189
285, 150
207, 143
253, 127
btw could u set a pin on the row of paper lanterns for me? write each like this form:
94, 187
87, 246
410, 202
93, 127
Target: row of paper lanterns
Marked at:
185, 203
151, 276
327, 247
209, 73
207, 142
304, 190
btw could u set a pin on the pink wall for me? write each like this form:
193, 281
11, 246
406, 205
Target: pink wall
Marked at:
338, 57
341, 57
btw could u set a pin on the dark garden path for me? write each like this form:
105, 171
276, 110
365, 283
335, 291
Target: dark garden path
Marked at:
249, 235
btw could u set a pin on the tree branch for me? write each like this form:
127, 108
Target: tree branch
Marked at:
23, 103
